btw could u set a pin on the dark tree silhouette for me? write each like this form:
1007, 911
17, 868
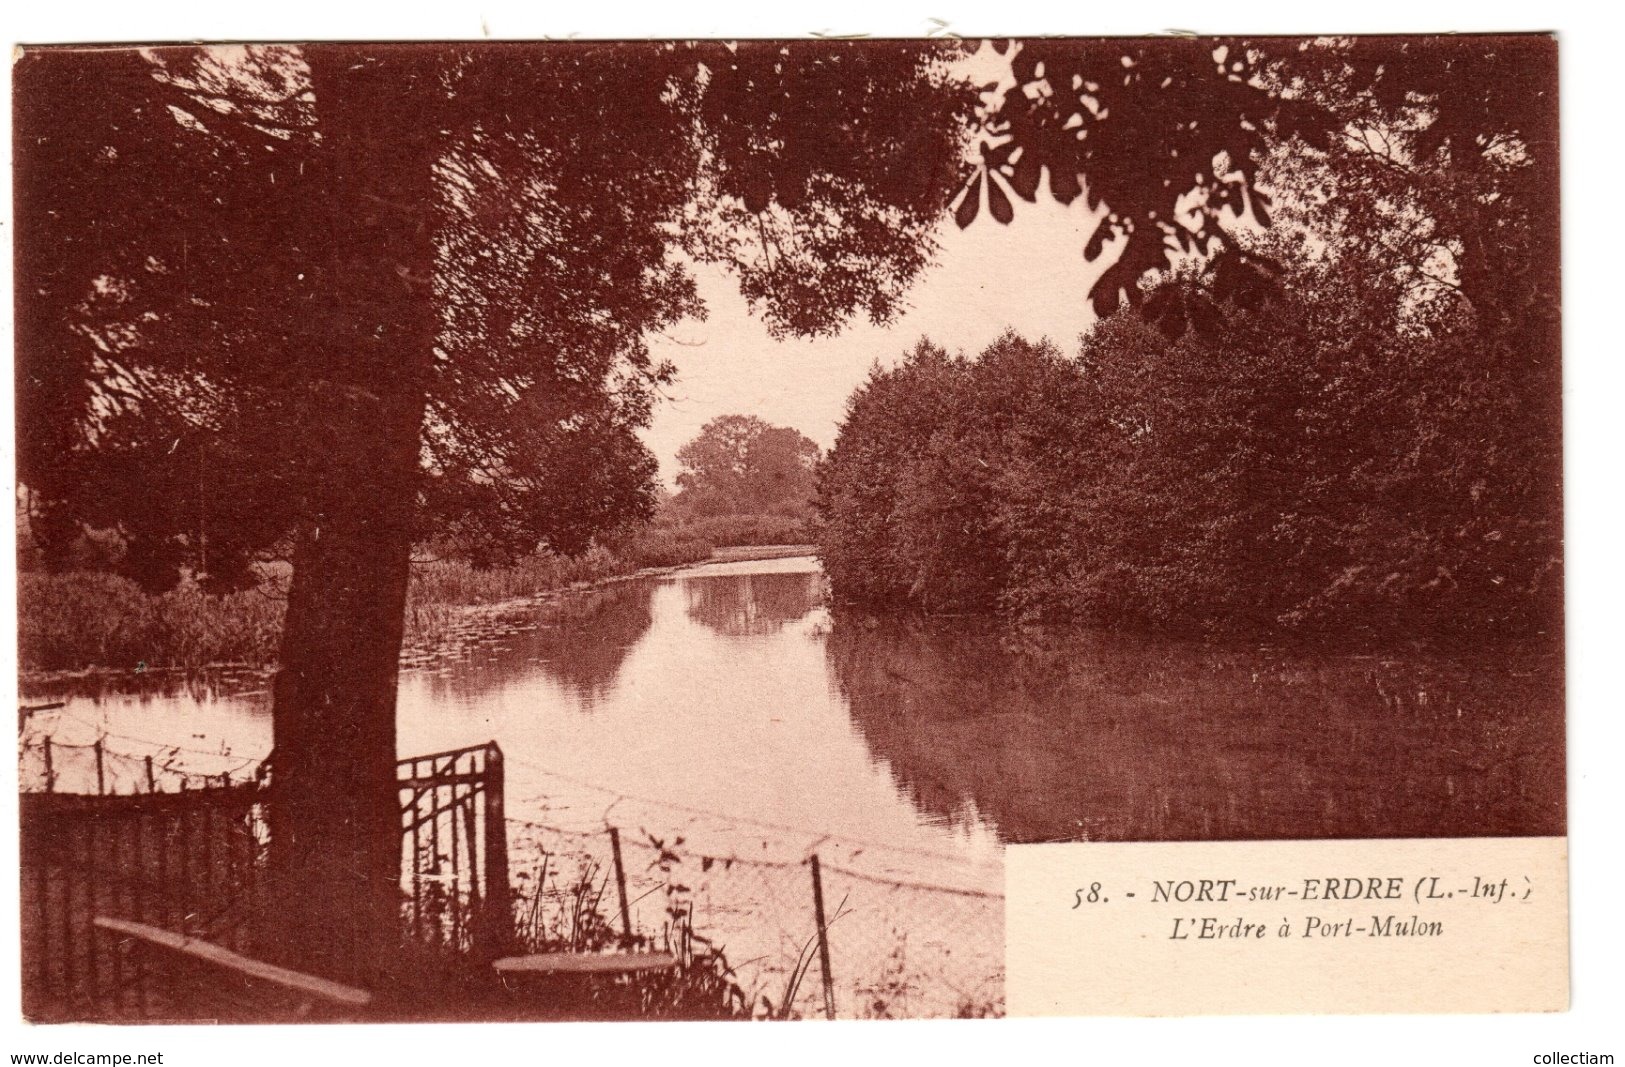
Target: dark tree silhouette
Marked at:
306, 300
1167, 135
1167, 138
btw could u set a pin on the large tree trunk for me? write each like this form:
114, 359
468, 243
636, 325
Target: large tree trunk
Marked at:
335, 818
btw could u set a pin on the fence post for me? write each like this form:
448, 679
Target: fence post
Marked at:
620, 883
498, 893
50, 771
152, 781
101, 779
823, 938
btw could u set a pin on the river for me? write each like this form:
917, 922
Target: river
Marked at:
728, 708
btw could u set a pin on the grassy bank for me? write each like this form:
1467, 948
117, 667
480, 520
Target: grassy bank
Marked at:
736, 529
742, 553
87, 619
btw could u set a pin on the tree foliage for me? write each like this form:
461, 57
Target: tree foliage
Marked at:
1270, 477
178, 324
1162, 137
742, 465
314, 301
1363, 436
1169, 140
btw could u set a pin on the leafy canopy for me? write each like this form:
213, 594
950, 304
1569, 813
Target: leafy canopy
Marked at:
743, 465
1371, 442
1169, 140
178, 323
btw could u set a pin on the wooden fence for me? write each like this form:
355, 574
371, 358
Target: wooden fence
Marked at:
193, 862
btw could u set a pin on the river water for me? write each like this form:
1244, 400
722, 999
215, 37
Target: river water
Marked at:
728, 706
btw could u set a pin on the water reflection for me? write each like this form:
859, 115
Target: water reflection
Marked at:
751, 605
700, 704
147, 687
730, 689
579, 642
1063, 735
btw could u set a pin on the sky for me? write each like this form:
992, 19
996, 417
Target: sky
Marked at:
1029, 275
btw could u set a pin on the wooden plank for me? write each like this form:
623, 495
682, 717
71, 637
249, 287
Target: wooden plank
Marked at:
578, 963
207, 952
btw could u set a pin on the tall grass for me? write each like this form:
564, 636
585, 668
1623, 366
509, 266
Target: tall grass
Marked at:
666, 547
89, 619
85, 619
738, 529
456, 582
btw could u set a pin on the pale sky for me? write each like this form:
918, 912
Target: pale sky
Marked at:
1029, 275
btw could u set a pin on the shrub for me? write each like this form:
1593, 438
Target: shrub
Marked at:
1308, 465
81, 619
730, 530
661, 547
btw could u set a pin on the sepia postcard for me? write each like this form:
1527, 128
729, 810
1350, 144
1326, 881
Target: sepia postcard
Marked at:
789, 529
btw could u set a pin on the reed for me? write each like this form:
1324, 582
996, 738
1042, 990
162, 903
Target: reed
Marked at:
93, 619
88, 619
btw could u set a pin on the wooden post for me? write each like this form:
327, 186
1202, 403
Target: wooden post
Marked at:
88, 838
50, 771
498, 890
101, 778
152, 781
620, 883
823, 939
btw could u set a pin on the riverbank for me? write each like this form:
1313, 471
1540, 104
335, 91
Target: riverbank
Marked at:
88, 621
746, 553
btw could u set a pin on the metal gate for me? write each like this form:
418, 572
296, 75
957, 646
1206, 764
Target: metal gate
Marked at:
454, 852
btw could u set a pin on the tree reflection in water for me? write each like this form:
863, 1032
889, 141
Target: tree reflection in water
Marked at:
579, 641
1061, 734
159, 687
752, 605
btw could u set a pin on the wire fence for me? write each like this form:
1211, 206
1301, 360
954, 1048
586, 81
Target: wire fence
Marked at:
103, 762
886, 947
48, 765
905, 932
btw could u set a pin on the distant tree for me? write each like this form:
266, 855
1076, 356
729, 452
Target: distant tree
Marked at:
741, 465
